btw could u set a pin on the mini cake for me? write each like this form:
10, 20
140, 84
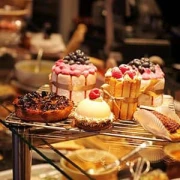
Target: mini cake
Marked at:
73, 76
152, 83
93, 113
42, 107
121, 89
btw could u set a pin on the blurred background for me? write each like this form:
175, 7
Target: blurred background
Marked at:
127, 29
112, 32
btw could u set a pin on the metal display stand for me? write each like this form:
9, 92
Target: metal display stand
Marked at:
27, 136
22, 157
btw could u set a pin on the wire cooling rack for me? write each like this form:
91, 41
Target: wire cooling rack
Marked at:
64, 130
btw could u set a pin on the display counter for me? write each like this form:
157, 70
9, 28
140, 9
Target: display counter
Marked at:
121, 139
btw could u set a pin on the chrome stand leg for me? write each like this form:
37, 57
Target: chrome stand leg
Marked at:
22, 158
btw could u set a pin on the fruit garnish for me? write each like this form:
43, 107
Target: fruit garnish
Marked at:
131, 73
116, 73
147, 70
78, 57
94, 93
124, 68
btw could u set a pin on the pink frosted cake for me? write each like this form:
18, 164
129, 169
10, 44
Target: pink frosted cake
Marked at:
73, 76
152, 83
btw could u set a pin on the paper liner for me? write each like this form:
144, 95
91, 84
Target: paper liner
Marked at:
152, 154
151, 92
151, 123
169, 113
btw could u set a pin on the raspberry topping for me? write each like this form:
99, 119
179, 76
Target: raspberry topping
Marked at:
124, 68
131, 73
94, 93
116, 73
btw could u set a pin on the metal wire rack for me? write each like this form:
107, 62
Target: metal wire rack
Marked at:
27, 135
64, 130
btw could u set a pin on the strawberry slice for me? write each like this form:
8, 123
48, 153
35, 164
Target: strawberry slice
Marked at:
94, 93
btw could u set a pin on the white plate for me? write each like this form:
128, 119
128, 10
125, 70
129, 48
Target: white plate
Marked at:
37, 172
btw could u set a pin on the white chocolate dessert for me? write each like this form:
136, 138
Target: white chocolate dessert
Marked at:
121, 89
93, 113
73, 76
152, 83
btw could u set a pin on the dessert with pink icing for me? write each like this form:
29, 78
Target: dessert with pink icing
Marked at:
73, 76
121, 90
152, 83
93, 113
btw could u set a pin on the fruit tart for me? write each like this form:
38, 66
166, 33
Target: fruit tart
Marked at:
42, 107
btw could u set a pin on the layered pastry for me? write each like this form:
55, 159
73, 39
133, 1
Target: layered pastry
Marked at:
73, 76
152, 84
122, 88
42, 107
93, 113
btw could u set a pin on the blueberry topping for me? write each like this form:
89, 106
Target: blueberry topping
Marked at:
142, 64
43, 101
77, 57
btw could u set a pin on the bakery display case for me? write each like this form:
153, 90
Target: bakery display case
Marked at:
121, 139
115, 133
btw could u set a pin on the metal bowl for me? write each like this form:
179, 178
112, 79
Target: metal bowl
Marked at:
25, 72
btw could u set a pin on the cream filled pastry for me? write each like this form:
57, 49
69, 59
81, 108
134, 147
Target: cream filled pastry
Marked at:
73, 76
93, 113
121, 89
152, 83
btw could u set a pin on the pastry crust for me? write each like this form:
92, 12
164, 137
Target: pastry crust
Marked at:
93, 125
42, 107
171, 125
